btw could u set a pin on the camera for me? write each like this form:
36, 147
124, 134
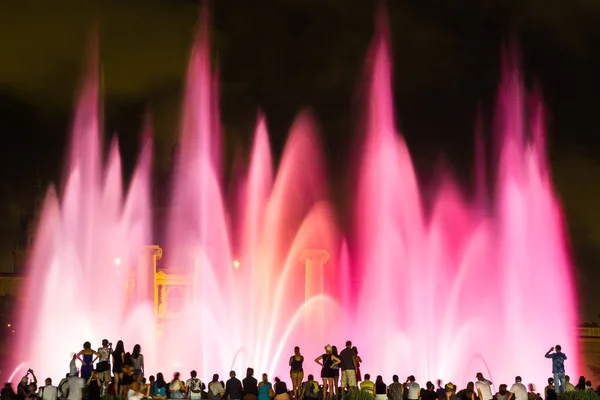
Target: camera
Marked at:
29, 371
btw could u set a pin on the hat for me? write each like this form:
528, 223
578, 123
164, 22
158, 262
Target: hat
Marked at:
450, 386
328, 348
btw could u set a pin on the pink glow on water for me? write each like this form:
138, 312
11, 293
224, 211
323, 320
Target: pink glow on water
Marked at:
73, 279
462, 292
442, 291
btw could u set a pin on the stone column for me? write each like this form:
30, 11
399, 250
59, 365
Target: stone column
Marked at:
313, 286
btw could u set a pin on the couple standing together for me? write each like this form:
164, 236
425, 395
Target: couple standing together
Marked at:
346, 361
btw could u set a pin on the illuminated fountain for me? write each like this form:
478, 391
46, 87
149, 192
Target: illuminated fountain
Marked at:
444, 292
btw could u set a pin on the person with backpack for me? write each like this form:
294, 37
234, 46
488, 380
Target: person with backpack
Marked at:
194, 386
310, 389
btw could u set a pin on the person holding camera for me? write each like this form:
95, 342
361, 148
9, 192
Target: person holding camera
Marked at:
25, 388
94, 384
103, 365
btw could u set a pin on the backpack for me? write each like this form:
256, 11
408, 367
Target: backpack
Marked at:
313, 388
195, 385
174, 386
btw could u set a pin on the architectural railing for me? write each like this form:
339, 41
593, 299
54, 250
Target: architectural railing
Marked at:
591, 331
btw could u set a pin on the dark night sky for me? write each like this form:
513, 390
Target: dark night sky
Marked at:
283, 55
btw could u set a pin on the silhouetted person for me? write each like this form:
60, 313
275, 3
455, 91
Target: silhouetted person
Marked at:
558, 367
250, 385
233, 387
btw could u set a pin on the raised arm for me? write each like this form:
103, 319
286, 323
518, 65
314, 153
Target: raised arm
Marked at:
548, 355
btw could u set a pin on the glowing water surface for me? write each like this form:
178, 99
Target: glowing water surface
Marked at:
461, 287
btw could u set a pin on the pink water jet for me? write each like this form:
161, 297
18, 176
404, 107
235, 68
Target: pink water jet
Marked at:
444, 292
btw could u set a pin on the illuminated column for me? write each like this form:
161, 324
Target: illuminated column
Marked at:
313, 286
146, 273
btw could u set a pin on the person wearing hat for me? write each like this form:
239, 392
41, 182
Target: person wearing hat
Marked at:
327, 361
450, 391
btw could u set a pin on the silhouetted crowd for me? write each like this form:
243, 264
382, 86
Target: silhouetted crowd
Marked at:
113, 372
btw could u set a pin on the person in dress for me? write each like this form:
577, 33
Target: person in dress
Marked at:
88, 357
327, 362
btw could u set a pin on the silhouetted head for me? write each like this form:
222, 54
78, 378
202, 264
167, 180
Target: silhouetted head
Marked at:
119, 348
531, 387
558, 348
502, 389
471, 386
136, 351
87, 346
479, 376
297, 350
429, 385
550, 381
277, 380
367, 377
311, 377
395, 378
354, 349
581, 381
215, 378
348, 344
265, 378
193, 374
48, 381
232, 374
379, 379
249, 372
104, 342
518, 379
411, 378
567, 378
176, 376
450, 387
439, 383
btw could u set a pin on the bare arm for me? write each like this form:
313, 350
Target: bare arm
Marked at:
548, 353
318, 360
291, 358
336, 360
